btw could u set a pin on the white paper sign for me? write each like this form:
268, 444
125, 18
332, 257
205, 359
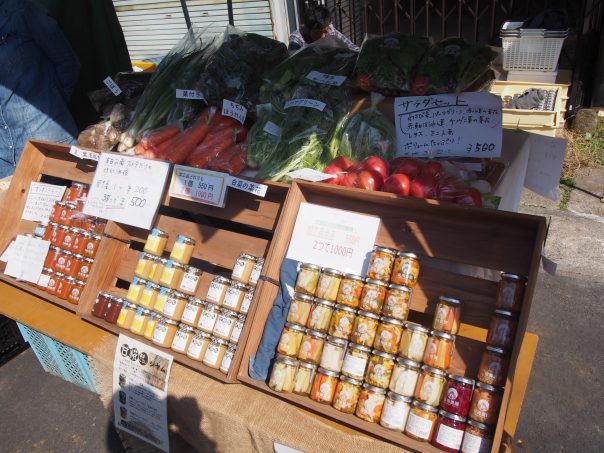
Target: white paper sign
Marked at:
202, 186
84, 154
26, 258
545, 165
127, 189
110, 83
333, 238
140, 391
451, 125
327, 79
234, 110
308, 174
8, 252
41, 200
247, 186
272, 129
309, 103
189, 94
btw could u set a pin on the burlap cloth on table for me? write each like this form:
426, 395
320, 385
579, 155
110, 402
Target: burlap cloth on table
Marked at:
216, 417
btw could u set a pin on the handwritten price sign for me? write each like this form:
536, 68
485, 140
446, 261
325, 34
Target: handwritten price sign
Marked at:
234, 110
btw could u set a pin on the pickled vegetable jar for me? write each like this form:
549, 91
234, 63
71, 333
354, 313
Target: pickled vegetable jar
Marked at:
406, 269
243, 268
329, 284
304, 377
291, 338
183, 338
395, 412
283, 373
364, 328
164, 332
396, 302
421, 421
126, 316
380, 369
347, 395
217, 290
332, 357
299, 309
311, 346
199, 345
439, 350
355, 361
190, 281
182, 250
502, 329
388, 335
404, 377
308, 279
457, 395
413, 342
350, 290
172, 274
371, 403
373, 295
192, 312
215, 353
486, 401
449, 431
208, 317
430, 385
233, 298
447, 314
478, 438
493, 366
320, 315
149, 295
324, 386
144, 265
380, 263
342, 321
510, 292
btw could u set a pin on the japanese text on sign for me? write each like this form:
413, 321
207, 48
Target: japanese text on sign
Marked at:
127, 189
272, 129
40, 201
84, 154
202, 186
310, 103
26, 258
110, 83
247, 186
461, 125
327, 79
189, 94
234, 110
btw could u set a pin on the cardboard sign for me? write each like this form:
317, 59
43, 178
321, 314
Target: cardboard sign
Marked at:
448, 125
545, 165
202, 186
26, 258
127, 189
234, 110
41, 200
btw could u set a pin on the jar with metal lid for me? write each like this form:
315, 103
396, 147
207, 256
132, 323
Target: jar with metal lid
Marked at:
224, 324
58, 234
182, 250
380, 263
247, 300
380, 369
126, 316
290, 340
140, 320
55, 215
157, 269
198, 346
372, 296
237, 329
59, 265
76, 192
100, 304
299, 309
311, 347
324, 386
396, 302
189, 281
457, 395
68, 238
235, 293
421, 421
80, 238
388, 335
66, 215
364, 328
283, 374
53, 282
227, 360
510, 292
242, 270
182, 339
406, 269
486, 401
371, 403
135, 289
478, 438
174, 306
308, 279
332, 358
73, 264
208, 317
84, 270
192, 312
172, 274
156, 242
347, 395
395, 412
341, 322
149, 295
217, 290
48, 232
355, 361
320, 315
430, 385
350, 290
91, 245
304, 377
329, 284
256, 271
64, 285
449, 431
150, 327
493, 368
404, 377
44, 278
215, 353
439, 350
413, 342
502, 329
114, 308
162, 297
51, 256
447, 315
75, 292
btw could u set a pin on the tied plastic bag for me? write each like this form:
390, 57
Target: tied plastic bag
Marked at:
263, 137
99, 137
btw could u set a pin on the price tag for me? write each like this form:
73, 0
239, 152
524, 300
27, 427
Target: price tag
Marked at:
234, 110
26, 258
84, 154
261, 109
247, 186
127, 189
189, 94
272, 129
202, 186
41, 200
308, 174
309, 103
112, 86
327, 79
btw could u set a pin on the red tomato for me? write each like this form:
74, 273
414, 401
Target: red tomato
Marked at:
423, 186
355, 168
407, 165
343, 162
470, 197
369, 180
377, 164
434, 169
350, 180
364, 81
397, 183
334, 170
450, 188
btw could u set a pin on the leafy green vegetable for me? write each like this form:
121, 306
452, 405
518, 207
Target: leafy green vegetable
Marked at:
262, 143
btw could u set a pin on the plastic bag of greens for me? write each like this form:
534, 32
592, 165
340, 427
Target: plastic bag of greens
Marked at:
263, 137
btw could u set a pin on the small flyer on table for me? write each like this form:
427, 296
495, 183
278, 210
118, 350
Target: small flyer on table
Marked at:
140, 391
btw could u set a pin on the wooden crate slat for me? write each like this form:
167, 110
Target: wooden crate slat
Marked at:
38, 292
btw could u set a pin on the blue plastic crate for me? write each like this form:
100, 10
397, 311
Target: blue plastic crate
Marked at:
59, 359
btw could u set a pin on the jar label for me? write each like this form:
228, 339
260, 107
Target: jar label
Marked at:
231, 300
247, 301
395, 414
355, 366
223, 326
212, 353
83, 272
236, 334
190, 313
419, 426
189, 282
180, 341
476, 444
238, 268
195, 347
449, 437
170, 306
214, 292
159, 334
226, 362
207, 320
255, 275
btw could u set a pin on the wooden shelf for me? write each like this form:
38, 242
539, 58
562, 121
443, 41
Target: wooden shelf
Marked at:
38, 293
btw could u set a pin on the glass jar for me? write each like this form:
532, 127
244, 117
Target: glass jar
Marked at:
304, 377
404, 377
182, 339
59, 265
308, 279
256, 271
364, 328
299, 309
156, 242
172, 274
341, 322
77, 288
332, 358
53, 282
198, 346
395, 412
324, 386
380, 264
457, 395
44, 278
430, 385
291, 338
73, 264
380, 369
283, 373
439, 350
493, 368
84, 270
388, 335
421, 421
371, 402
126, 316
502, 329
355, 361
396, 302
135, 289
320, 315
406, 269
100, 304
217, 290
227, 360
80, 239
182, 250
64, 285
247, 300
350, 290
449, 431
162, 297
114, 308
66, 215
510, 292
215, 353
58, 235
233, 299
413, 342
208, 317
50, 231
76, 192
157, 269
190, 281
486, 401
151, 323
224, 324
478, 438
447, 315
55, 215
91, 245
68, 238
175, 306
149, 295
373, 295
51, 256
347, 395
242, 270
140, 320
164, 332
311, 347
192, 312
329, 284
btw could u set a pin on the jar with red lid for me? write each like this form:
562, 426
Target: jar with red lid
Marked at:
380, 263
458, 395
478, 438
57, 235
64, 286
510, 292
48, 231
114, 307
75, 292
502, 329
372, 296
84, 270
486, 401
72, 264
55, 215
91, 245
51, 256
449, 431
406, 269
493, 368
53, 280
101, 304
79, 240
